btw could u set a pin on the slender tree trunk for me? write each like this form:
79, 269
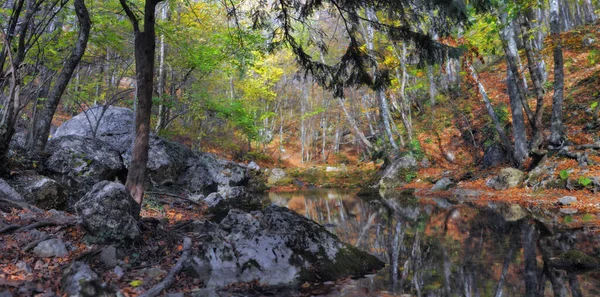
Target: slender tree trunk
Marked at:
556, 126
145, 49
518, 120
529, 251
588, 8
503, 137
357, 131
51, 103
162, 76
536, 78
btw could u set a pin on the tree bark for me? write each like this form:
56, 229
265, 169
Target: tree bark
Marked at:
516, 106
145, 49
162, 76
501, 134
45, 121
556, 126
529, 251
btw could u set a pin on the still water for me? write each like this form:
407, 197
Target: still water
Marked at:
434, 247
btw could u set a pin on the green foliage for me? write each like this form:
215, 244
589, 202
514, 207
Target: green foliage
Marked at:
563, 174
593, 57
584, 181
594, 105
235, 111
568, 219
415, 149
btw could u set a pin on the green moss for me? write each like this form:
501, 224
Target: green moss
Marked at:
575, 261
349, 261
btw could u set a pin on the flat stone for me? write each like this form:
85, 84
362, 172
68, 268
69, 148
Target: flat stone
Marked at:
569, 211
567, 200
109, 256
51, 248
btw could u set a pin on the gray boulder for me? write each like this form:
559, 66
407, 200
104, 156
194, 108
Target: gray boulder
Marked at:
397, 173
109, 213
7, 192
274, 247
442, 184
42, 191
115, 126
223, 172
506, 179
79, 162
567, 200
79, 280
276, 176
50, 248
166, 161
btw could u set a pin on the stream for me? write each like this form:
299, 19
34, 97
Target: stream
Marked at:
434, 247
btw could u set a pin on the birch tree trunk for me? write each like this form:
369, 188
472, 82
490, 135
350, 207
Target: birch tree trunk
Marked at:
162, 76
556, 126
516, 106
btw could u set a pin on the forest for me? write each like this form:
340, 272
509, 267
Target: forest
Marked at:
299, 147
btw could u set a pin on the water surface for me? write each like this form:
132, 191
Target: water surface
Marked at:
435, 247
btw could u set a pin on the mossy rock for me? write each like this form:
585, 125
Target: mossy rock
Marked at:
575, 261
349, 261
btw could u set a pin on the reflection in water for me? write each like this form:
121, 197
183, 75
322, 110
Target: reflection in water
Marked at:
436, 248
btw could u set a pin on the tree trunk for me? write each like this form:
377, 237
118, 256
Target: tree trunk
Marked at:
529, 251
145, 49
556, 127
162, 75
516, 106
45, 121
588, 9
501, 134
536, 78
355, 127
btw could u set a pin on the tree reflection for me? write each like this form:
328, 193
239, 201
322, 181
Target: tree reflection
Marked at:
437, 248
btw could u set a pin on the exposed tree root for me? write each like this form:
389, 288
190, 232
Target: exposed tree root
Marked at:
168, 280
35, 243
39, 224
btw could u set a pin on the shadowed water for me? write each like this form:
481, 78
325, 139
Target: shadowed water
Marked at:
435, 247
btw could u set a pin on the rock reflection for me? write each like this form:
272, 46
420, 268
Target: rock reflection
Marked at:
435, 247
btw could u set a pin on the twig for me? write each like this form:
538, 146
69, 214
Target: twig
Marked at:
174, 196
40, 224
21, 204
8, 228
35, 243
168, 280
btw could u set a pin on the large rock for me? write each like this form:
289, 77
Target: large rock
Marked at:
400, 171
7, 192
166, 160
223, 172
41, 191
115, 126
274, 247
79, 162
277, 176
442, 184
506, 179
79, 280
109, 213
50, 248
